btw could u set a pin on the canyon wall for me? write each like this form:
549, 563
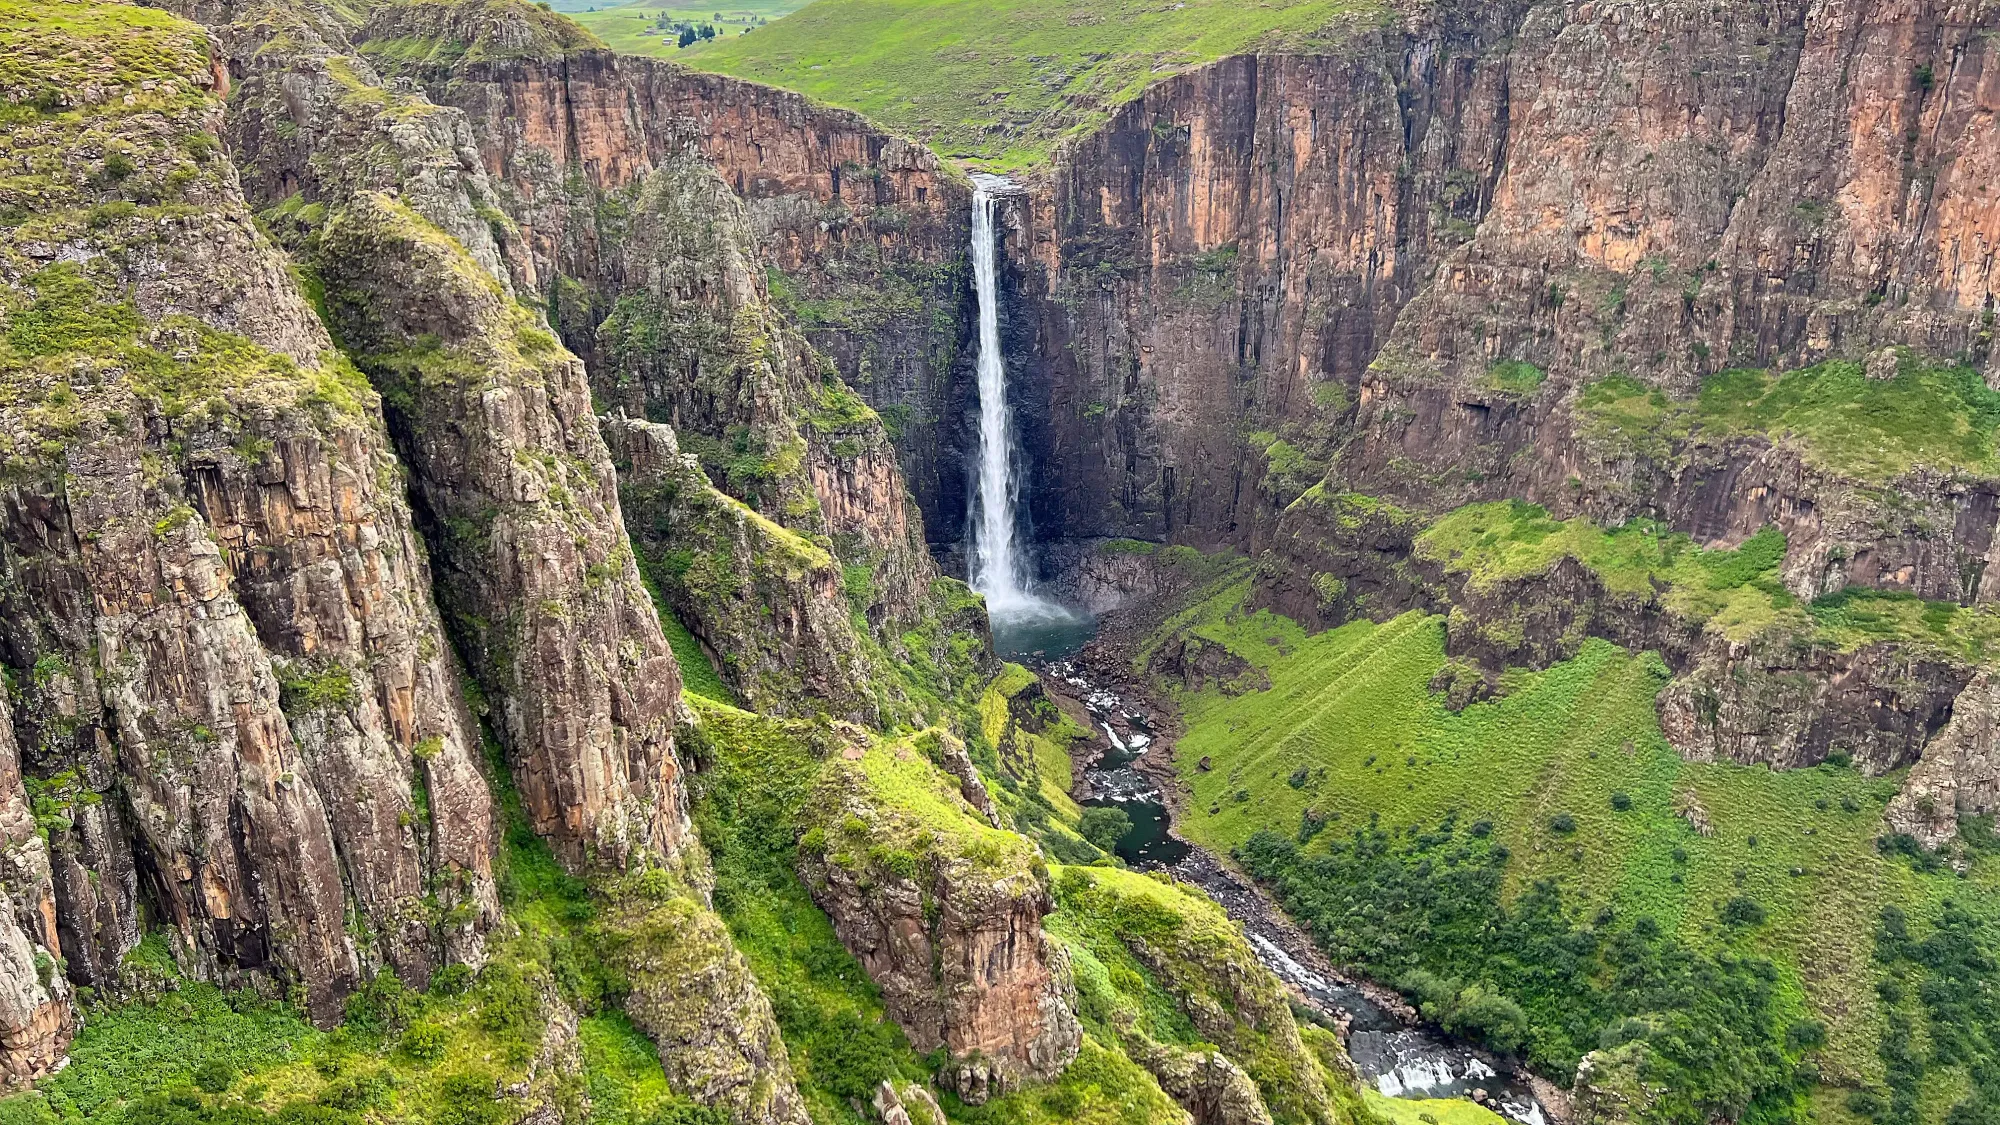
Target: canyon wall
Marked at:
1280, 268
861, 235
236, 711
734, 262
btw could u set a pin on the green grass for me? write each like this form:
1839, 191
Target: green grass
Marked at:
698, 674
1515, 377
758, 774
1351, 717
1735, 592
1870, 430
1430, 1111
129, 1051
998, 83
634, 29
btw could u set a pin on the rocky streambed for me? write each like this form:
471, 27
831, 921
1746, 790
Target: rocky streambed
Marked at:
1131, 768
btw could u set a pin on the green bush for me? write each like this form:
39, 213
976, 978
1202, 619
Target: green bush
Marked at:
1105, 826
1425, 909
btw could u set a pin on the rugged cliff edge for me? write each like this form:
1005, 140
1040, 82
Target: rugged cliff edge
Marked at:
235, 703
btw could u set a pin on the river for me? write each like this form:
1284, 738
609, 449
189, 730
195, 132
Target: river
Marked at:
1390, 1049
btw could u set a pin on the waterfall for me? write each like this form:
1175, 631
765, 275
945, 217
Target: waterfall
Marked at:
998, 571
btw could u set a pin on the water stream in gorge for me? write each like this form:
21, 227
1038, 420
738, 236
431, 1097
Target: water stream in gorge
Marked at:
1401, 1059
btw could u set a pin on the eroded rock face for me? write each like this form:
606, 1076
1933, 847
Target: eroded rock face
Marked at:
946, 917
1208, 1084
36, 1020
237, 699
773, 601
534, 568
1333, 251
1958, 774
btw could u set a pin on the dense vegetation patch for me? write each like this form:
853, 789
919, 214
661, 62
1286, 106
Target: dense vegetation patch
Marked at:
1000, 82
1534, 978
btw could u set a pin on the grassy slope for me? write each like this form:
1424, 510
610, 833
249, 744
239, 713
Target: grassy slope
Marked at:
1352, 708
1737, 593
1869, 430
996, 81
624, 26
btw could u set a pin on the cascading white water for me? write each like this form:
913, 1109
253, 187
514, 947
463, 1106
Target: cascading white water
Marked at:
998, 570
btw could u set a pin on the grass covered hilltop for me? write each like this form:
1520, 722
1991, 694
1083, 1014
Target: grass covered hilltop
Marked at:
999, 81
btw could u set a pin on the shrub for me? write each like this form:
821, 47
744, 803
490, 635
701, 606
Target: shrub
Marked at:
680, 1111
1105, 826
424, 1042
381, 1006
1562, 824
1742, 911
214, 1076
1621, 801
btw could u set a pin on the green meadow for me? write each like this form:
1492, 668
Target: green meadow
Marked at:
997, 82
1569, 776
635, 28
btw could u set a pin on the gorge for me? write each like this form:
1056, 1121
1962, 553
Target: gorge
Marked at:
482, 518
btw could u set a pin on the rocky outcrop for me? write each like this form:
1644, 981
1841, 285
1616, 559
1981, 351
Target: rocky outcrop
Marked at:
1784, 701
534, 568
236, 710
913, 1106
771, 603
693, 995
945, 914
36, 1019
1208, 1084
1958, 775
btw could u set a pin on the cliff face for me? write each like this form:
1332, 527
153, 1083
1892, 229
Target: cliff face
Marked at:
685, 229
36, 1020
236, 702
1280, 266
379, 193
767, 601
863, 233
1310, 304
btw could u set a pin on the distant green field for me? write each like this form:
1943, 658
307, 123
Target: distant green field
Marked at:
996, 82
634, 28
1351, 731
